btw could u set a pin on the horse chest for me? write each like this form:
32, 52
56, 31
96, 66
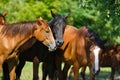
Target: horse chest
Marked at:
67, 57
68, 54
83, 61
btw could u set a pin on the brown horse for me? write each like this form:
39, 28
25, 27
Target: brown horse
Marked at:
112, 54
109, 58
13, 36
2, 17
78, 43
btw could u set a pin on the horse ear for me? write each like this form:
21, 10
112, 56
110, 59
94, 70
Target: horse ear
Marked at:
67, 15
40, 18
53, 14
39, 22
5, 13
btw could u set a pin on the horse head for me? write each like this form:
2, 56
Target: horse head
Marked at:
2, 17
96, 47
44, 34
57, 25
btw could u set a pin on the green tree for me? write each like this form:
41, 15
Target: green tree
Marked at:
102, 16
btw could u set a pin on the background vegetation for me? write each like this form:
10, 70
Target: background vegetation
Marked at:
103, 16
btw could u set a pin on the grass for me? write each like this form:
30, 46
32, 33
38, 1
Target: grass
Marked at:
27, 73
103, 75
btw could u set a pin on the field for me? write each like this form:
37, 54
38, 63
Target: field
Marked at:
27, 73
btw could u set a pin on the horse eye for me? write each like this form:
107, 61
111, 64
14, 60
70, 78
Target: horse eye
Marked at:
47, 31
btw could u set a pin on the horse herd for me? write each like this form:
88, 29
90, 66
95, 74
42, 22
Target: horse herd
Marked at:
53, 43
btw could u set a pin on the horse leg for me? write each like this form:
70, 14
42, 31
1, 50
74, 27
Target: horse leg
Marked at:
83, 72
1, 62
19, 69
65, 70
59, 74
76, 70
12, 73
12, 66
51, 71
51, 67
92, 76
44, 70
35, 68
48, 68
5, 71
112, 73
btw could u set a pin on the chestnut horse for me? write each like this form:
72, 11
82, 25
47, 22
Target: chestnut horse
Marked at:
13, 36
109, 58
78, 45
38, 52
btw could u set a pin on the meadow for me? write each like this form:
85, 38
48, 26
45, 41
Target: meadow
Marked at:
27, 73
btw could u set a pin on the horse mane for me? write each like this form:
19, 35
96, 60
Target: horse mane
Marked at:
92, 35
57, 18
82, 31
21, 28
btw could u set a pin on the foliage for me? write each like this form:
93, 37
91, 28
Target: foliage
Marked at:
102, 16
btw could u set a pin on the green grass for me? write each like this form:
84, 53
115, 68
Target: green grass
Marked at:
27, 73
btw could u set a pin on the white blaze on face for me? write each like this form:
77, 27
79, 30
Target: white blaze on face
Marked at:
96, 54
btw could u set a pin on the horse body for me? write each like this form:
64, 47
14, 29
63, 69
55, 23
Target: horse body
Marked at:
8, 44
13, 36
112, 54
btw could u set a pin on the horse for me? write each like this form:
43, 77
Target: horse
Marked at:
13, 36
2, 17
78, 45
109, 58
112, 54
38, 52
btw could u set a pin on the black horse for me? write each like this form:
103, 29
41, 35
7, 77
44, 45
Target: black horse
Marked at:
38, 52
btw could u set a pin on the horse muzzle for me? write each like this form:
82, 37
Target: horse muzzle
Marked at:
95, 72
52, 47
59, 43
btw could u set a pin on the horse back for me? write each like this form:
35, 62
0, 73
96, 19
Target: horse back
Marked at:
110, 56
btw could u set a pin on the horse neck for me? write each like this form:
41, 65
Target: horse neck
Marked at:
69, 34
17, 48
28, 44
20, 37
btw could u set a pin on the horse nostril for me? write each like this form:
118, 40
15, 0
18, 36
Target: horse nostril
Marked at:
97, 72
59, 43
